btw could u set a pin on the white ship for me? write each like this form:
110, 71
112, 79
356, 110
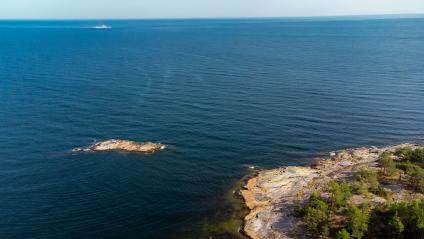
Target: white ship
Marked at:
102, 27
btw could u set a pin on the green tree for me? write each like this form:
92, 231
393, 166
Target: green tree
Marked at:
417, 156
416, 176
412, 155
316, 215
342, 234
403, 152
396, 227
398, 220
388, 164
358, 222
340, 194
415, 215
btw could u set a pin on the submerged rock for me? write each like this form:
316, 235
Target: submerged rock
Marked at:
123, 145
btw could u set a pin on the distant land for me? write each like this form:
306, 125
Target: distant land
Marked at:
303, 18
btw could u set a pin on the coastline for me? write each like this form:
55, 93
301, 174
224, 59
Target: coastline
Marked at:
273, 195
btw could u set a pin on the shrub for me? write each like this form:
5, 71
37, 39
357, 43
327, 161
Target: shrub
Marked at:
316, 215
416, 156
342, 234
398, 220
402, 152
396, 227
361, 187
408, 154
369, 177
340, 194
385, 194
388, 195
416, 218
358, 222
388, 164
416, 176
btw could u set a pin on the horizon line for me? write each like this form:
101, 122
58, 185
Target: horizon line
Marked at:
392, 15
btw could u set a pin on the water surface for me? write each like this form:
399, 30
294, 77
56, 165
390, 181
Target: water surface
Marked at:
223, 94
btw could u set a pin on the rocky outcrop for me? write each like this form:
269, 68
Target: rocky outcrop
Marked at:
123, 145
272, 195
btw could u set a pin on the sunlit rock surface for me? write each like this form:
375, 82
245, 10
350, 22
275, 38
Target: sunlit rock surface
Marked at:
272, 195
123, 145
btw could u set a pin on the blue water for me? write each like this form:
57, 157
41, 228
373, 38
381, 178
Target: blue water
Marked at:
224, 94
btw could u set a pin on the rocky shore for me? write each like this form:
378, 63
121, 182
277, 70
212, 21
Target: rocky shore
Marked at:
123, 145
272, 195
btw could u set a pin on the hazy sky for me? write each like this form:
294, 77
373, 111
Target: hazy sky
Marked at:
65, 9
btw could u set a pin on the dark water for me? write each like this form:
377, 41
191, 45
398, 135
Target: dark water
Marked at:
223, 94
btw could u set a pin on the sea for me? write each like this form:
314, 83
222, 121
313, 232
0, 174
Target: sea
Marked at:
224, 95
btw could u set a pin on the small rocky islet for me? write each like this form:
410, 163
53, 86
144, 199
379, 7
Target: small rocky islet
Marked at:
123, 145
354, 193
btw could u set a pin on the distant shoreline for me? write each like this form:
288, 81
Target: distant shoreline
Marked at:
300, 17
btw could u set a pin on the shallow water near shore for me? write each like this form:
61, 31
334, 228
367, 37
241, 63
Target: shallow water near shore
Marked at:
221, 94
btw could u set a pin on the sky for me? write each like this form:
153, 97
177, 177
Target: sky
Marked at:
140, 9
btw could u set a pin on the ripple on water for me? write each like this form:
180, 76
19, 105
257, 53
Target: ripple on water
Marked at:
223, 94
